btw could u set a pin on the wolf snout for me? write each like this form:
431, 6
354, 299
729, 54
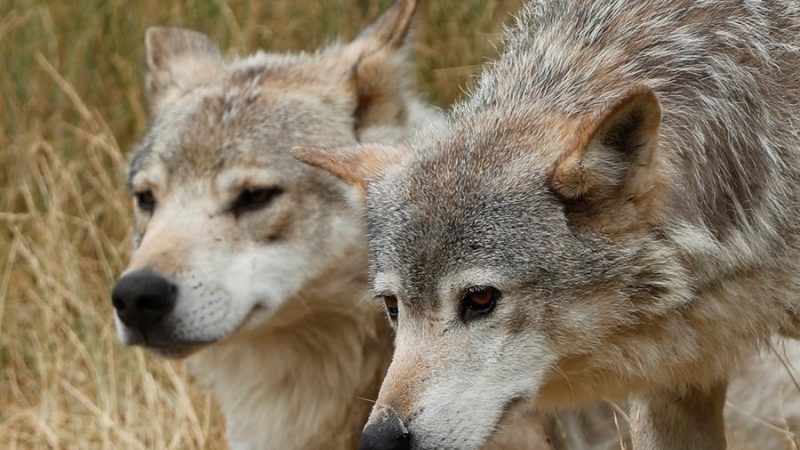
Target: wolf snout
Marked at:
142, 298
387, 432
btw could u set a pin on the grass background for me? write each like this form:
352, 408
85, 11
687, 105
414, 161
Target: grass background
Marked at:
71, 105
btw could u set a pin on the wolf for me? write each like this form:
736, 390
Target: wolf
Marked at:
614, 211
247, 262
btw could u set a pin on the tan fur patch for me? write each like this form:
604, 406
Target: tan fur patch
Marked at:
356, 166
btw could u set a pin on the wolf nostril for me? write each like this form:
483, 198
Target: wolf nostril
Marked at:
142, 298
387, 433
151, 303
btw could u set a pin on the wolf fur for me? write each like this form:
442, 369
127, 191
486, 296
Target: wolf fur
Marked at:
762, 409
271, 300
623, 185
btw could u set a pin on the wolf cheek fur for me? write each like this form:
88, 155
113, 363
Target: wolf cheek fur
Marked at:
627, 175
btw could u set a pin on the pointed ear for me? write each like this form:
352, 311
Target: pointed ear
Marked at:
393, 26
382, 69
357, 166
613, 149
176, 57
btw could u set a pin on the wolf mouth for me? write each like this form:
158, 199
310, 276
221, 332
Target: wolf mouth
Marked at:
171, 349
159, 341
244, 325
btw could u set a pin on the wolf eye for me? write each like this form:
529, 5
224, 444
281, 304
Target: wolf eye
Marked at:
254, 199
390, 301
145, 200
479, 301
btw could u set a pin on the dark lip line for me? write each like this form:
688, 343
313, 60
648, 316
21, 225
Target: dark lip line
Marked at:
148, 343
255, 309
177, 344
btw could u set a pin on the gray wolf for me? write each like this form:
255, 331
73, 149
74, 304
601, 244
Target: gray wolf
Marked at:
247, 261
612, 212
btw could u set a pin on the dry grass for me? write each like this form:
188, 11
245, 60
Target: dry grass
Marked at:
70, 106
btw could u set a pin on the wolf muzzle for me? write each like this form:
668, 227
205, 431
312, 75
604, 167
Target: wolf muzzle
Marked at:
142, 298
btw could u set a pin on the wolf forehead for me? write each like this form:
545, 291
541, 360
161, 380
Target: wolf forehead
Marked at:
442, 214
251, 113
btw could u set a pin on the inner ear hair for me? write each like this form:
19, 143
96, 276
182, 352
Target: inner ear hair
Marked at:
630, 125
381, 70
380, 92
609, 147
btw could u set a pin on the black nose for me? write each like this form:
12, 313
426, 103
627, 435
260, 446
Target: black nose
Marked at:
142, 298
387, 433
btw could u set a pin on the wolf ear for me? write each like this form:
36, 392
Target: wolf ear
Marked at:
381, 72
176, 57
357, 166
612, 149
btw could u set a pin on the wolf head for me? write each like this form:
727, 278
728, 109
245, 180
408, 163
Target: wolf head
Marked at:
515, 256
229, 228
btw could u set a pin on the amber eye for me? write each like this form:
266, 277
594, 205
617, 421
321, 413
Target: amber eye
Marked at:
145, 201
391, 306
254, 199
479, 301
